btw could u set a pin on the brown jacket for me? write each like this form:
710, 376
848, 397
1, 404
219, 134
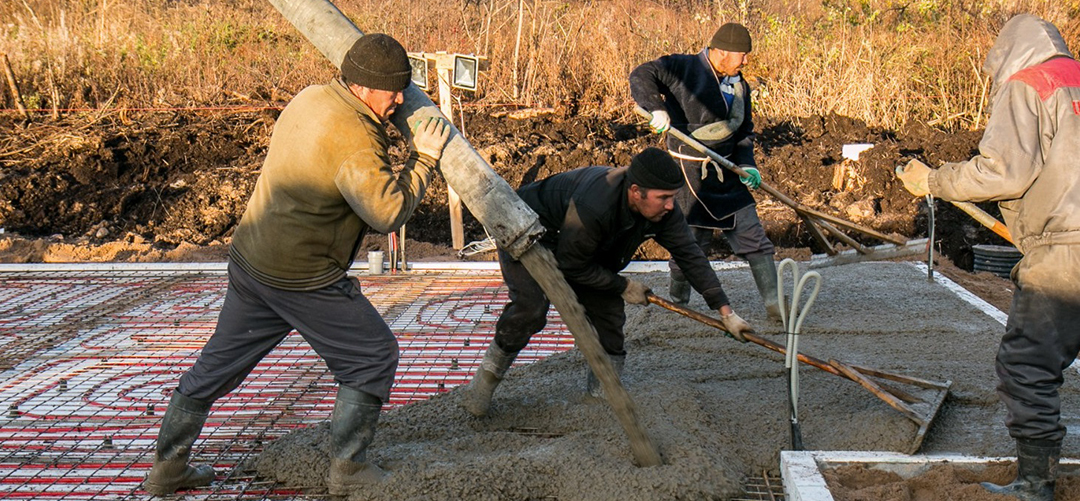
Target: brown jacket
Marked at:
1028, 157
326, 180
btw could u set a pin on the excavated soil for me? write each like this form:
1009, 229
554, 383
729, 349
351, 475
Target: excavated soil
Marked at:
143, 188
950, 482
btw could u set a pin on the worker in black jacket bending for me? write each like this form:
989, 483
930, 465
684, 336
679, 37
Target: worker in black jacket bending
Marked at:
596, 217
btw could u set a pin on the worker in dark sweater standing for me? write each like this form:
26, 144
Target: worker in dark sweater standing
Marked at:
705, 96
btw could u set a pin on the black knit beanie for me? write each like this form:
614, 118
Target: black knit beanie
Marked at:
655, 169
732, 37
377, 61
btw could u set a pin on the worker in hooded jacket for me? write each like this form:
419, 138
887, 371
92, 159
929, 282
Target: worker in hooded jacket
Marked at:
1028, 163
327, 179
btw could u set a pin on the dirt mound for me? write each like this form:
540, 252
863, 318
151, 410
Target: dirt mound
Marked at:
183, 179
801, 157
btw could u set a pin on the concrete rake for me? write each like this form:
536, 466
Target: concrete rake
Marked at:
820, 224
922, 408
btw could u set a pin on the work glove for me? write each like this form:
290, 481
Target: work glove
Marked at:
736, 326
753, 181
430, 135
916, 177
660, 122
636, 292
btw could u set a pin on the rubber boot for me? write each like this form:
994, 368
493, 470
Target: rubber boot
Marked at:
352, 428
592, 383
476, 396
180, 427
679, 290
764, 271
1037, 463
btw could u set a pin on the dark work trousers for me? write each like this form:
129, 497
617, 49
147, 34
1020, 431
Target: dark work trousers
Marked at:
337, 321
526, 313
1042, 338
747, 238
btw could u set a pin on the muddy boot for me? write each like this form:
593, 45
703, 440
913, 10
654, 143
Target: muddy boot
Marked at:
592, 383
352, 428
180, 427
1037, 462
476, 396
764, 271
679, 290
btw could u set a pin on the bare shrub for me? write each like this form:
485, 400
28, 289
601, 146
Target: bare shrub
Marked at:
882, 61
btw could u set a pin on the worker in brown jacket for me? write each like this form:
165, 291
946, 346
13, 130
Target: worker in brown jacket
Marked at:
326, 181
1027, 163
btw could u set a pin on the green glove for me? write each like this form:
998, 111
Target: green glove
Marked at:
754, 178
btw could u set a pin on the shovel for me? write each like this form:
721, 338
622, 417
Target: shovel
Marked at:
918, 409
816, 221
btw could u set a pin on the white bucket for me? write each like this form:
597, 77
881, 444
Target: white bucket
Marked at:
375, 262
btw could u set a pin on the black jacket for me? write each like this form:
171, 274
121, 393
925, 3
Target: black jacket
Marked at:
687, 87
594, 234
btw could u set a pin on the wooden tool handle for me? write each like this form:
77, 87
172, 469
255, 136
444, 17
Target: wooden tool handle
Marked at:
712, 322
985, 219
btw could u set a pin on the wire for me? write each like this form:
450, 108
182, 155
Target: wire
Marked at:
477, 247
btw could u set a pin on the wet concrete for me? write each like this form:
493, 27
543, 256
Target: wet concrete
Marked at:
716, 408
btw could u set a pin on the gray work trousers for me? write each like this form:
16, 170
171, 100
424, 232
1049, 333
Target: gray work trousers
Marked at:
526, 313
1042, 338
337, 321
747, 238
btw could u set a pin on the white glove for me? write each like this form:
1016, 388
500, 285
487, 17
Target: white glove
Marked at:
736, 326
660, 121
636, 292
430, 135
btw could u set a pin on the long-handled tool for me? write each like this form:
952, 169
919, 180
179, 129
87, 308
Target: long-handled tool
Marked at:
515, 226
816, 221
976, 213
921, 410
985, 219
931, 227
793, 325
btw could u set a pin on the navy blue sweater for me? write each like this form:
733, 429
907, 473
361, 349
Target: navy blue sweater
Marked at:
687, 87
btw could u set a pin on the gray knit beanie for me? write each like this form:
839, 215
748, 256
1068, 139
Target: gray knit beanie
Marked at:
377, 61
732, 37
654, 168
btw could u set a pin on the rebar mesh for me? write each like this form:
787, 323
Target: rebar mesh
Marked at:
89, 360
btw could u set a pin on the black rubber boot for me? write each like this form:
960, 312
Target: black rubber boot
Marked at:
1037, 463
592, 383
180, 427
764, 271
476, 396
679, 290
352, 428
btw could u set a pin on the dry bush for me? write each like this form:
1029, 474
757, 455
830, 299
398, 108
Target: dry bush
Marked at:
883, 61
